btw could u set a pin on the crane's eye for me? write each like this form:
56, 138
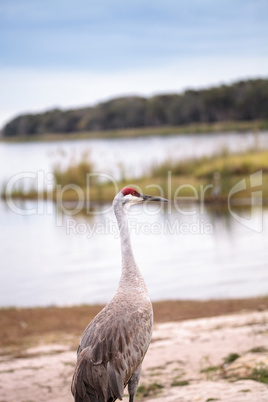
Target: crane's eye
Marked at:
133, 193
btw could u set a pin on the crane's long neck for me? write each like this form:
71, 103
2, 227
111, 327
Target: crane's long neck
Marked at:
131, 275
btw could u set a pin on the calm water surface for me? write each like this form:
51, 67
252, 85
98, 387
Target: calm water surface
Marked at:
50, 258
132, 157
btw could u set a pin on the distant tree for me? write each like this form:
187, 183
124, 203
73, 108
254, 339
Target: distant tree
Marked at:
157, 111
244, 100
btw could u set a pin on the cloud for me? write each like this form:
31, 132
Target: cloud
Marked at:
65, 54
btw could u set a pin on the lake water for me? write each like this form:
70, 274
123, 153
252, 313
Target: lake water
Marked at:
52, 259
49, 258
131, 156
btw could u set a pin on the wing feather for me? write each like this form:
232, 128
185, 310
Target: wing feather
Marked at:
111, 349
116, 380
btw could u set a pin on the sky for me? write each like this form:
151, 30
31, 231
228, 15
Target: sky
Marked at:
65, 54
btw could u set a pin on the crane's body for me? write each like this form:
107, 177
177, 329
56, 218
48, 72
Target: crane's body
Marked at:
114, 344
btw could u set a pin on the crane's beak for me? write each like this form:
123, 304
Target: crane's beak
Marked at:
152, 198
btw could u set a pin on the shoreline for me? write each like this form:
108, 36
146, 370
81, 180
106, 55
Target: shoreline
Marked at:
222, 356
187, 129
193, 179
24, 327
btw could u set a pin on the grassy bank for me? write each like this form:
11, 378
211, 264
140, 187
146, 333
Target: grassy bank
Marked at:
195, 178
225, 163
22, 328
197, 128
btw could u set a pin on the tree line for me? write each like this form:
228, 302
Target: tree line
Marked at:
241, 101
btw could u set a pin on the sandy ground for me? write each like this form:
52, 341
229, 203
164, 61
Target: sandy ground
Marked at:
184, 363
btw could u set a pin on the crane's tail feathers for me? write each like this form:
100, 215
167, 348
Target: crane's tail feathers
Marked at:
116, 381
95, 382
86, 398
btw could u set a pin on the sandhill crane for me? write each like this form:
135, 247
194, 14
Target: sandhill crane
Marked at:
114, 344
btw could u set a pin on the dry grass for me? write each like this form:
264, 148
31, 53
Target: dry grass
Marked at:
225, 163
179, 310
23, 328
76, 171
176, 179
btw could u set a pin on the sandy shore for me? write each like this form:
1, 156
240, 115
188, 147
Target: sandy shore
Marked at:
184, 363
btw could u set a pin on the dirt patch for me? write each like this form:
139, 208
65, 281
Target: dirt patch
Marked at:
201, 359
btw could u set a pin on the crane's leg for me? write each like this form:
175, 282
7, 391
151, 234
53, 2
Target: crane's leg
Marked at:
133, 383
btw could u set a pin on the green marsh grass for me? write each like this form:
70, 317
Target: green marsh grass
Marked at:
225, 163
186, 178
75, 172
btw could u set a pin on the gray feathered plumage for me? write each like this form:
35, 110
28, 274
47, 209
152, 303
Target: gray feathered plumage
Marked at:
114, 344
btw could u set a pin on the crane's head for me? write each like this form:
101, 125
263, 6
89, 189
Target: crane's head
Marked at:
132, 196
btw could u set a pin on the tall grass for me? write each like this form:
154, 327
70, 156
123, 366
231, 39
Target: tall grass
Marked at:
222, 170
225, 163
75, 172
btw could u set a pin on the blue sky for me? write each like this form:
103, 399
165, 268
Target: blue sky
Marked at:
75, 53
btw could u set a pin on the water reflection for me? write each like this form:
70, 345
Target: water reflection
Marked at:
76, 259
